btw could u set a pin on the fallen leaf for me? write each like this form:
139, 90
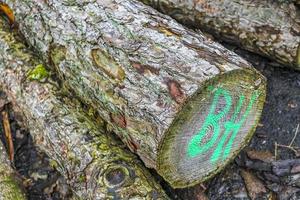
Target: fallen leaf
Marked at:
253, 185
264, 156
8, 12
295, 169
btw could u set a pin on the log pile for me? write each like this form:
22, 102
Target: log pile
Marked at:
183, 103
90, 160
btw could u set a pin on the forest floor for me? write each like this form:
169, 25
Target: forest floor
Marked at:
267, 169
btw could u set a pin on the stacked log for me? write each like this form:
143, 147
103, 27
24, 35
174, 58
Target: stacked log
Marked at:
90, 160
183, 103
266, 27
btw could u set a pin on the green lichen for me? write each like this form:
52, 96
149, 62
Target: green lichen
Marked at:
39, 73
53, 164
10, 190
82, 178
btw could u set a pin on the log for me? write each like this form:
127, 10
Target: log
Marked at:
183, 103
289, 1
9, 185
296, 2
91, 161
261, 26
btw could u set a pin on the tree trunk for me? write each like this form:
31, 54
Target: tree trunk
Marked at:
156, 83
91, 161
261, 26
9, 187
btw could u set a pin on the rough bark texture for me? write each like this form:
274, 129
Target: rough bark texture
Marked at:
153, 80
261, 26
9, 187
91, 161
289, 1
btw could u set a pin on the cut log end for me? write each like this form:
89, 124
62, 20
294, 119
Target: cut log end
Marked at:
212, 127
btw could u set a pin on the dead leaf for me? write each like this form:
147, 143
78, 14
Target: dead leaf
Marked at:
254, 186
8, 12
264, 156
272, 196
295, 169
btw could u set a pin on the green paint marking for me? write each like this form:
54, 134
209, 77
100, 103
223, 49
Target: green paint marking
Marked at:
228, 127
237, 126
212, 121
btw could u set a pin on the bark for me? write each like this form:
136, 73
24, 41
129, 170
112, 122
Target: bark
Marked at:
265, 27
289, 1
156, 83
9, 186
297, 2
91, 161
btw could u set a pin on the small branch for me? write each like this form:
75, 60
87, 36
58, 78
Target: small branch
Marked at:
276, 149
288, 147
203, 187
296, 133
8, 135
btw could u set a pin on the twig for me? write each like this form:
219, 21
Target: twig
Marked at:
294, 149
203, 187
296, 132
276, 148
8, 136
288, 147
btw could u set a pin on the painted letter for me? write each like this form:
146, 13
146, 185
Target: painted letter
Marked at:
212, 120
232, 126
